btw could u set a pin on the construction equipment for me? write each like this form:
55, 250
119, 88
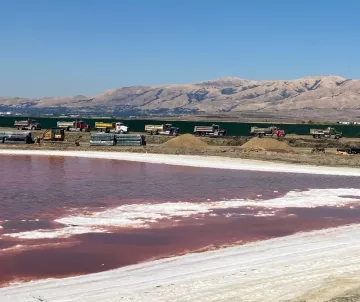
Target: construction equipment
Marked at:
348, 151
53, 135
272, 131
213, 130
117, 127
73, 126
165, 129
27, 125
7, 137
329, 132
108, 139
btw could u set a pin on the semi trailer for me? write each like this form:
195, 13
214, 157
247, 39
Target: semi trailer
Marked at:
116, 127
28, 124
268, 131
73, 126
165, 129
329, 132
213, 130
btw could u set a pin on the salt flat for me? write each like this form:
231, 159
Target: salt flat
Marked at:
196, 161
272, 270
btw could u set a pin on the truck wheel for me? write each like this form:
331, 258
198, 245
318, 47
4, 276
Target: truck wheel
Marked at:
197, 133
202, 133
33, 128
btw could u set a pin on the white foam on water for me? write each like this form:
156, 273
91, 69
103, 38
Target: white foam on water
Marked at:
54, 233
140, 215
13, 248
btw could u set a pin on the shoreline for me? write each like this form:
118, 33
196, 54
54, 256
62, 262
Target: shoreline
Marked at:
299, 267
315, 265
215, 162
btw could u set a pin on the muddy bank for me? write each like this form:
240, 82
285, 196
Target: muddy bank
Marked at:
294, 141
301, 156
220, 146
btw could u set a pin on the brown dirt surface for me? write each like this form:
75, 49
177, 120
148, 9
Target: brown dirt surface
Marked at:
266, 144
186, 141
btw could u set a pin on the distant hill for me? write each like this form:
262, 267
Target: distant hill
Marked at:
312, 97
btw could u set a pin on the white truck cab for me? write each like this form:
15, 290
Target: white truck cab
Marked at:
120, 128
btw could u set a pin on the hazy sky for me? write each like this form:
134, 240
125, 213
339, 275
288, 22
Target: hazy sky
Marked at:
67, 47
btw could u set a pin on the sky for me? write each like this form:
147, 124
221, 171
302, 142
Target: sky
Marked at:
71, 47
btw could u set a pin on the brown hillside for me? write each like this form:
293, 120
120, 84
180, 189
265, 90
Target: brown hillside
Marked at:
322, 97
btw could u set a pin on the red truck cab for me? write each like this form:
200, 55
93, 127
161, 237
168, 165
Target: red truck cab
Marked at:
82, 126
280, 133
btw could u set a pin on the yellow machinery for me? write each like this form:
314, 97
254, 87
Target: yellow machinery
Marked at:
104, 127
54, 135
341, 153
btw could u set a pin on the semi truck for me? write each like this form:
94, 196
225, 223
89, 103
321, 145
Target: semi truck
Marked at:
269, 131
117, 127
165, 129
27, 125
329, 132
73, 126
213, 130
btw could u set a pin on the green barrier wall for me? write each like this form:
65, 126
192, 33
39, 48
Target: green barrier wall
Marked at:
233, 128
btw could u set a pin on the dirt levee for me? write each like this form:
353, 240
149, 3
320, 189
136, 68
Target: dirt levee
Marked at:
266, 144
186, 141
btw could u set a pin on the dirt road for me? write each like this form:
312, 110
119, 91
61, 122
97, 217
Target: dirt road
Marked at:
225, 146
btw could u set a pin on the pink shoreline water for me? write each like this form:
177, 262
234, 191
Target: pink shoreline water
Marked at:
38, 190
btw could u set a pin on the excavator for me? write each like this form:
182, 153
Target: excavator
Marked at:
53, 135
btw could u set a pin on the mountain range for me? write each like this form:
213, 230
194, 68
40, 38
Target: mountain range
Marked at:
312, 97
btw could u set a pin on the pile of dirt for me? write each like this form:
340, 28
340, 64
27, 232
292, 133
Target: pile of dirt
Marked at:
186, 141
266, 144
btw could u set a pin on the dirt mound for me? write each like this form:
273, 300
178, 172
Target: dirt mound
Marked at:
266, 144
186, 141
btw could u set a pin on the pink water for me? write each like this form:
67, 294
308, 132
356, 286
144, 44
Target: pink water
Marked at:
36, 190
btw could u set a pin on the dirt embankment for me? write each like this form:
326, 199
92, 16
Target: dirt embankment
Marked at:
292, 140
188, 144
298, 157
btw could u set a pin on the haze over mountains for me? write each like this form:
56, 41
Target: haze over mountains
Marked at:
312, 97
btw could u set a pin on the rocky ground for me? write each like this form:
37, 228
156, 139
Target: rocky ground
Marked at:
227, 146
